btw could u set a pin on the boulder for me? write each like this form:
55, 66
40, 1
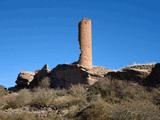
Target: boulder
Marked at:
24, 79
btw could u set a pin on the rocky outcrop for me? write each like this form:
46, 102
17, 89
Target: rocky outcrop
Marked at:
30, 79
129, 74
147, 67
24, 79
65, 75
40, 75
147, 75
153, 79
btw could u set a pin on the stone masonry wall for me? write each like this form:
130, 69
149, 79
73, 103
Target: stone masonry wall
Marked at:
85, 42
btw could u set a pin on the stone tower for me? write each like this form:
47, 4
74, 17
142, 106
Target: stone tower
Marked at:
85, 42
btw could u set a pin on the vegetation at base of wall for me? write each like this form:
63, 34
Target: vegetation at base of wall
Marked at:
106, 100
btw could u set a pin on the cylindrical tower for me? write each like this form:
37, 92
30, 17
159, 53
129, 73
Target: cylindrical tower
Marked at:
85, 41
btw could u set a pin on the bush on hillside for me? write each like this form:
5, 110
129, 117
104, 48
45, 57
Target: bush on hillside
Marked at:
139, 110
115, 91
22, 98
99, 110
3, 91
45, 83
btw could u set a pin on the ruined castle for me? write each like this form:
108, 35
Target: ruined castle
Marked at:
83, 72
66, 74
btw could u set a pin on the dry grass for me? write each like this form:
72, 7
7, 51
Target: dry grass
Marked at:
45, 83
3, 91
27, 116
43, 97
22, 98
78, 91
137, 110
99, 110
106, 100
116, 91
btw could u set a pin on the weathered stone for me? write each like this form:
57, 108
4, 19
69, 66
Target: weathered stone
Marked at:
85, 42
153, 79
25, 78
147, 67
65, 75
40, 75
100, 71
147, 75
43, 73
129, 74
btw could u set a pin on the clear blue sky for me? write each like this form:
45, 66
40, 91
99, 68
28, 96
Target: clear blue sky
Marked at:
36, 32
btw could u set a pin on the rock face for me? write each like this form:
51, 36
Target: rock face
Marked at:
129, 74
24, 79
153, 79
147, 67
40, 75
85, 42
64, 75
147, 75
31, 79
